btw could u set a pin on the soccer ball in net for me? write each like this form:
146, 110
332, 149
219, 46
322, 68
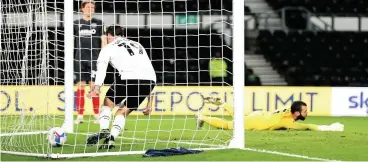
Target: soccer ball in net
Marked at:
56, 137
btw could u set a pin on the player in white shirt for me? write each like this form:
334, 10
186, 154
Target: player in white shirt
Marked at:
137, 81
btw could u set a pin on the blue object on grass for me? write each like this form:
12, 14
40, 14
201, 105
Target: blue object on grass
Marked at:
170, 152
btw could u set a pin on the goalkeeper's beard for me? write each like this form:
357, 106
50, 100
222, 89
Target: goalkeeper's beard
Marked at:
300, 117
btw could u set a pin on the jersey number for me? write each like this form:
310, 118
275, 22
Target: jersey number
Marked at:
129, 48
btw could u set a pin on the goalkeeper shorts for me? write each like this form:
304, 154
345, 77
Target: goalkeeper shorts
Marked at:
132, 91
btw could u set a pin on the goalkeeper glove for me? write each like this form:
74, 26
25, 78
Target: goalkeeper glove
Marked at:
333, 127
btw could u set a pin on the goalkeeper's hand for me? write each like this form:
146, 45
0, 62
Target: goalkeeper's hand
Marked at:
336, 127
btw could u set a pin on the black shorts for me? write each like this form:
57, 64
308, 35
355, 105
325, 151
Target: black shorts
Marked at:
134, 91
84, 70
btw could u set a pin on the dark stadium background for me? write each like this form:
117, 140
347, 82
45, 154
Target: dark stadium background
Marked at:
302, 54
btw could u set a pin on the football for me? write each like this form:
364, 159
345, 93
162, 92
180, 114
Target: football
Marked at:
56, 137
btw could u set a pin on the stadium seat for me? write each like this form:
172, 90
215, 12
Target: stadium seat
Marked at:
341, 7
317, 58
179, 56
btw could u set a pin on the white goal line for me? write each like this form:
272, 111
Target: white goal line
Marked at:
289, 155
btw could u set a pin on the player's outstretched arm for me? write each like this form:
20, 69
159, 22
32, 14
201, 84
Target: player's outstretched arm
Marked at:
313, 127
102, 63
333, 127
301, 126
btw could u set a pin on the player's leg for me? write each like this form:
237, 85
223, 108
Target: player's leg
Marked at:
215, 122
105, 115
117, 126
119, 121
136, 93
104, 120
81, 84
114, 96
95, 104
80, 101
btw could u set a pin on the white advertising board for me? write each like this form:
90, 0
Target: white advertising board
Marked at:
349, 101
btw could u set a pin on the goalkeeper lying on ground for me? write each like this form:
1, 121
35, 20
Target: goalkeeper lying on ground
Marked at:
278, 120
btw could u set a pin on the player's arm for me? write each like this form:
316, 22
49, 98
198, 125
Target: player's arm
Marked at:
301, 126
102, 63
298, 126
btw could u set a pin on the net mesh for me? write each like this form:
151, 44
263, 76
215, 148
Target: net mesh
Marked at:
188, 42
27, 73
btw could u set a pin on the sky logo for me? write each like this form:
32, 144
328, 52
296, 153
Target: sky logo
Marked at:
359, 101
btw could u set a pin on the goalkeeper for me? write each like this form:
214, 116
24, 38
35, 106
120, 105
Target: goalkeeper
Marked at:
278, 120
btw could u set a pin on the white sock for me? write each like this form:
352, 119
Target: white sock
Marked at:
105, 117
118, 125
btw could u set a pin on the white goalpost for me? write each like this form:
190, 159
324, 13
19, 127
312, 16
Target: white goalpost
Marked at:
68, 66
238, 81
184, 39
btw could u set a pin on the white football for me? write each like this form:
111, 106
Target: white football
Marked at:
56, 137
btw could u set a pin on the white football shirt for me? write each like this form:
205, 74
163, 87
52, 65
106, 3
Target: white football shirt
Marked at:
128, 57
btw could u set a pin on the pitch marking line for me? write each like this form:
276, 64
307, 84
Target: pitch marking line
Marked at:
247, 149
290, 155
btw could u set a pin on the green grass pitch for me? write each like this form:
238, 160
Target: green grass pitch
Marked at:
350, 145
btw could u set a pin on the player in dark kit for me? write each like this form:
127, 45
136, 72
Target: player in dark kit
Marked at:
89, 40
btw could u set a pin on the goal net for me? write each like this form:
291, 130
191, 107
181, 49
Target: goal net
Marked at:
190, 44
